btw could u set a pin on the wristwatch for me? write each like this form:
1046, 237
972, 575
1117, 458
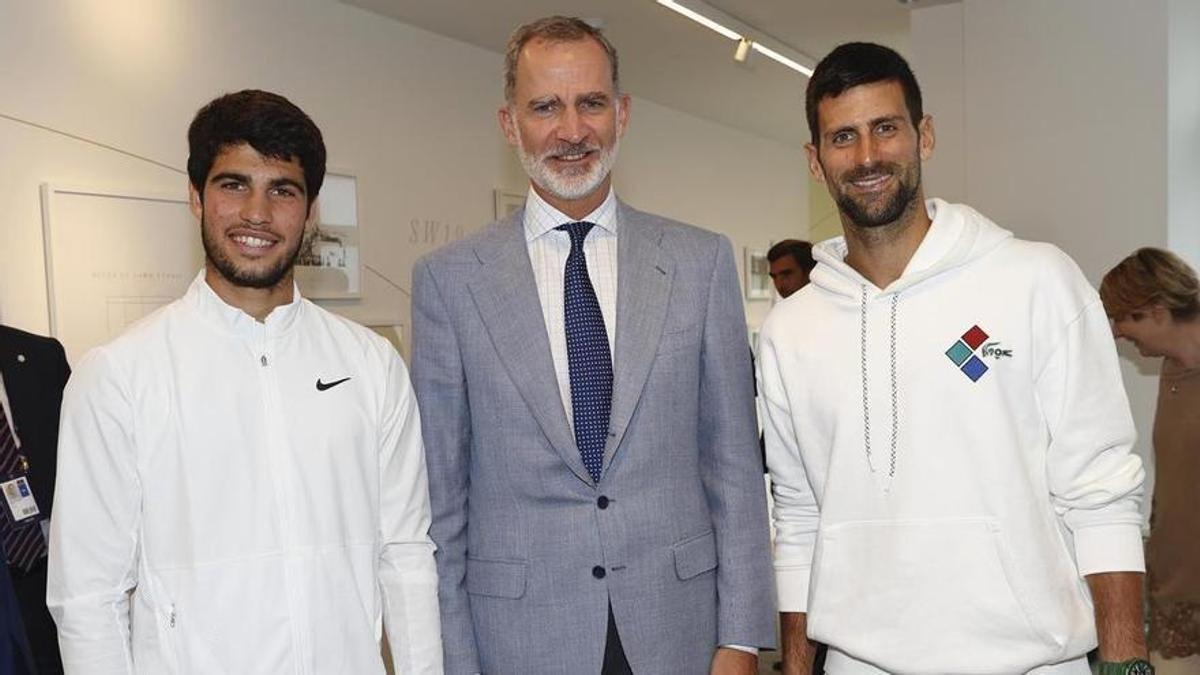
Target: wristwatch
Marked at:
1130, 667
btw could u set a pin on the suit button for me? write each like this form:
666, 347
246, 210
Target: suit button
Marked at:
602, 502
598, 572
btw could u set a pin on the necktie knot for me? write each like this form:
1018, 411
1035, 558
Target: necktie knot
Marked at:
578, 232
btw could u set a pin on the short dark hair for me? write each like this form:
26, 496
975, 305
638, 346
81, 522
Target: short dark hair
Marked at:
267, 122
853, 64
801, 251
553, 29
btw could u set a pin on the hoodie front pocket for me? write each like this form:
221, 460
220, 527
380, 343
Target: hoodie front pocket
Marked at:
934, 595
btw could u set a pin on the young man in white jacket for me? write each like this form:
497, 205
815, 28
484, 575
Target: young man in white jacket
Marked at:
241, 483
951, 446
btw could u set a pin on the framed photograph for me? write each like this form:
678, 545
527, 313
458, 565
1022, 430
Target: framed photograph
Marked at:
330, 264
508, 201
758, 275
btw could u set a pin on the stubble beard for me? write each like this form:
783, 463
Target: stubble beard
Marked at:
868, 216
230, 271
572, 184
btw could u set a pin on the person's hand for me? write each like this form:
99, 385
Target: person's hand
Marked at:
727, 661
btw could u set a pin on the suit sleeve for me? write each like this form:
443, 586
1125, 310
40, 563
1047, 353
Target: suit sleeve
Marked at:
441, 388
1096, 481
94, 534
407, 572
731, 466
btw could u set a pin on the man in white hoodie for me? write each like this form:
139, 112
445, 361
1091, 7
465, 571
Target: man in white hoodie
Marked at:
951, 453
241, 479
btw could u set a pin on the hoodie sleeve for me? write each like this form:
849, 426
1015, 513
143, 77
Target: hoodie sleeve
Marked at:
796, 514
1095, 479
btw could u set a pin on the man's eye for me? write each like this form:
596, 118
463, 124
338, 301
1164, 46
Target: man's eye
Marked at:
544, 108
284, 192
594, 104
232, 185
842, 138
887, 128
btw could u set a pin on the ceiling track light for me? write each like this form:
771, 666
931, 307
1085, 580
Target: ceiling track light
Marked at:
780, 53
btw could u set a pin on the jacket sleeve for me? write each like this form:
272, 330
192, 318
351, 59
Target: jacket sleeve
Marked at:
407, 572
94, 534
1095, 480
731, 467
446, 422
796, 512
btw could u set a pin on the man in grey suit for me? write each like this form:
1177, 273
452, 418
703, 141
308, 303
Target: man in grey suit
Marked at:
595, 509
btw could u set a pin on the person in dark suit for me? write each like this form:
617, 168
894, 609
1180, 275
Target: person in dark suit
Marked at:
585, 389
33, 372
16, 658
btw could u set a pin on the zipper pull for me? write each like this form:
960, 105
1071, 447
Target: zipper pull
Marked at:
171, 618
263, 360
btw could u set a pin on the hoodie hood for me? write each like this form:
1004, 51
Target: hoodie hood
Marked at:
958, 235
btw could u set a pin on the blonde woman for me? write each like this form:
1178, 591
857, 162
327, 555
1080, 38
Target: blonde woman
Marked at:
1153, 299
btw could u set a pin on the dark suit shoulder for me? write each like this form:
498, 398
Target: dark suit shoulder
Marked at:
42, 349
29, 341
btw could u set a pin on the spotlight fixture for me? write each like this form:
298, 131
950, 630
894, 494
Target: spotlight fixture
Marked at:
745, 42
743, 50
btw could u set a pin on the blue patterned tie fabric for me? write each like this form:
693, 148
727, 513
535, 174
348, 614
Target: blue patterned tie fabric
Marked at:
589, 361
24, 544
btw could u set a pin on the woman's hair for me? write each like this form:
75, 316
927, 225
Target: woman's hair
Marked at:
1151, 276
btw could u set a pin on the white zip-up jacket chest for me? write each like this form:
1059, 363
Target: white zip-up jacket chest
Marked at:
259, 487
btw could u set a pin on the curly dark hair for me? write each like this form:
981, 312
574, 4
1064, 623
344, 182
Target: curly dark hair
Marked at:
267, 122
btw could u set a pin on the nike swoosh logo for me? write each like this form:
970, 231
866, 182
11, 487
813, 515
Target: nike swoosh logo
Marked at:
322, 386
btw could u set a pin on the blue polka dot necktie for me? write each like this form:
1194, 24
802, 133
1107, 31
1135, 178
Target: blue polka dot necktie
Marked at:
589, 361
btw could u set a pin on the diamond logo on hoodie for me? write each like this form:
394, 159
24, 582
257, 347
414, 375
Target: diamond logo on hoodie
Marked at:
962, 353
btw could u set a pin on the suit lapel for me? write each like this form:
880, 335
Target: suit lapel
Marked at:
644, 276
506, 296
16, 376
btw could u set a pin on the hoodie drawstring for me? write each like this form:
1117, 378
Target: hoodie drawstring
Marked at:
866, 396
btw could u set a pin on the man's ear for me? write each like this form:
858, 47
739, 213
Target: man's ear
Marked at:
814, 163
508, 124
925, 128
623, 103
195, 201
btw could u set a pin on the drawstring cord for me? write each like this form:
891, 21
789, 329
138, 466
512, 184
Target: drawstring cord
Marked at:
895, 387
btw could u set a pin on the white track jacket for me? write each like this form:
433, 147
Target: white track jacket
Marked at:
237, 497
950, 454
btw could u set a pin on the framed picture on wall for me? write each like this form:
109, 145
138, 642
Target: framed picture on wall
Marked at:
758, 275
508, 201
329, 266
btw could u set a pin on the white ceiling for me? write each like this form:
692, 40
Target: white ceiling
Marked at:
673, 61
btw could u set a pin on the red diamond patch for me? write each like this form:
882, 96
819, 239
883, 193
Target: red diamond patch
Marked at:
974, 337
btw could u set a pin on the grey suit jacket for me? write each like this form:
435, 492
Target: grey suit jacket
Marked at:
531, 552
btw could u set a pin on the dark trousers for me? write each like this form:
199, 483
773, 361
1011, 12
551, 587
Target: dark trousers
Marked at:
615, 662
30, 589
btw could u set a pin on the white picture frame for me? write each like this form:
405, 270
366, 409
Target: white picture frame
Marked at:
330, 263
757, 272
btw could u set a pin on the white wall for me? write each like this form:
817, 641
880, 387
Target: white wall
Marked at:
411, 113
1056, 127
1183, 129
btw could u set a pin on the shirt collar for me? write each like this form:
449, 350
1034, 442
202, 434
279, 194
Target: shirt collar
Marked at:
280, 320
540, 217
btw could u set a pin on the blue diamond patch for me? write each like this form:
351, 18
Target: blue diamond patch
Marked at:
974, 368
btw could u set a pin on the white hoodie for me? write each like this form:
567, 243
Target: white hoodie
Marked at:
949, 454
